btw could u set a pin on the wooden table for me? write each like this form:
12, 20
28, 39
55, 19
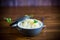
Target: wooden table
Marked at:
50, 32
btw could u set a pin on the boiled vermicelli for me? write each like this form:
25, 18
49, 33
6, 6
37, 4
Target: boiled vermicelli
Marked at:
30, 24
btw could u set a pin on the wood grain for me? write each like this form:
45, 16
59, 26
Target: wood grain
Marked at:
52, 22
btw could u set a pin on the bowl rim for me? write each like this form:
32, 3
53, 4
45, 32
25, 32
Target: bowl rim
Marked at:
30, 28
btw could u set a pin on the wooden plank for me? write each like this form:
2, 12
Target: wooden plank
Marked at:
52, 22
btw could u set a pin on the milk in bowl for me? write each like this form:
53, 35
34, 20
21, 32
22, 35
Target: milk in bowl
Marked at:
30, 24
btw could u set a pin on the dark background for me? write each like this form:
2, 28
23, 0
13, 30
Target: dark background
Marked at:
29, 2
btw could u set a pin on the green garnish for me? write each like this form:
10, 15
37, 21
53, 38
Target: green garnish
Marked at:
31, 16
9, 20
35, 21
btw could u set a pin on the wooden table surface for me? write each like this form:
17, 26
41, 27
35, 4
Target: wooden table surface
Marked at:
52, 22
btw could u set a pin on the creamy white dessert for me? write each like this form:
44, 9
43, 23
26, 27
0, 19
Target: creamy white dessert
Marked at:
30, 24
